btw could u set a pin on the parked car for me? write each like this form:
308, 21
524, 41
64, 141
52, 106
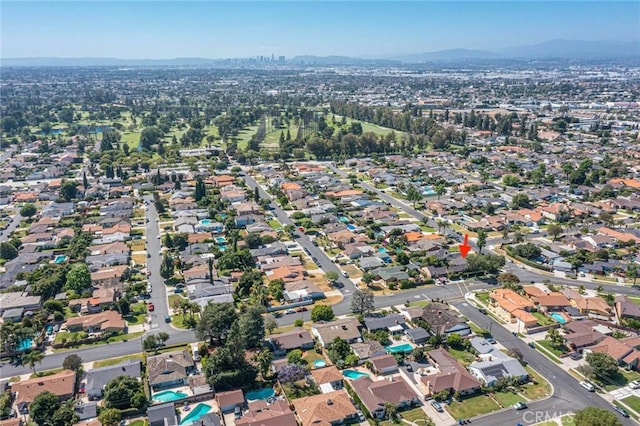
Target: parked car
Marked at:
345, 274
490, 340
482, 311
621, 410
588, 386
575, 356
635, 384
81, 389
290, 311
167, 318
150, 307
301, 309
436, 405
519, 406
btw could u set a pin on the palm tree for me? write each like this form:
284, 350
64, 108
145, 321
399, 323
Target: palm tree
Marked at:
32, 358
263, 359
194, 308
390, 410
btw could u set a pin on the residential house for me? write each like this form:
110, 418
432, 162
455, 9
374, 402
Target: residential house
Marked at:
326, 409
375, 394
384, 364
328, 379
162, 414
444, 321
446, 375
393, 323
62, 385
625, 308
15, 300
347, 329
260, 413
417, 335
298, 338
103, 322
228, 401
495, 365
97, 378
367, 349
514, 307
170, 369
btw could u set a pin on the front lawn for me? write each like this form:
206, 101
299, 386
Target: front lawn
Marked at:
557, 350
619, 380
483, 296
471, 407
633, 402
184, 322
538, 390
507, 399
114, 361
465, 358
415, 415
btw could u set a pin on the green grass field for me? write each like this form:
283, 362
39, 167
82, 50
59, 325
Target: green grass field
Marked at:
507, 399
471, 407
114, 361
244, 136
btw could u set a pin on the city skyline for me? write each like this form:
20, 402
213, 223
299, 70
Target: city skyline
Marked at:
162, 30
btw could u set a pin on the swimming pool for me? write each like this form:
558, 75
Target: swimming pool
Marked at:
261, 394
205, 222
25, 344
221, 240
403, 347
195, 414
60, 258
559, 318
427, 190
351, 227
169, 395
382, 250
353, 374
222, 248
319, 363
343, 219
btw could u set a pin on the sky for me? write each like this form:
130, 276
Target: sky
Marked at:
225, 29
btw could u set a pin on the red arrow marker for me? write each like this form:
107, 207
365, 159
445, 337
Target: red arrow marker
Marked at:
464, 247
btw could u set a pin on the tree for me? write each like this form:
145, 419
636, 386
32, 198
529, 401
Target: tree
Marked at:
332, 276
252, 327
632, 272
270, 323
603, 364
167, 266
8, 251
436, 340
78, 279
110, 417
528, 251
321, 313
215, 322
150, 136
64, 415
291, 373
154, 341
482, 239
390, 410
68, 190
413, 195
454, 340
368, 278
32, 358
72, 362
28, 210
263, 359
119, 392
43, 406
554, 231
594, 416
362, 302
402, 258
508, 278
295, 357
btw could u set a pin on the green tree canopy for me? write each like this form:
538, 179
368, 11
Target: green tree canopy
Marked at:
78, 278
28, 210
603, 364
110, 417
362, 302
8, 251
118, 392
321, 313
252, 327
594, 416
215, 322
43, 406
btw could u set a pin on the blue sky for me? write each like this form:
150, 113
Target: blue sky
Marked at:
169, 29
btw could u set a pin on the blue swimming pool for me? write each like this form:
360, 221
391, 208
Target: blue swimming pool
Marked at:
319, 363
205, 221
195, 414
59, 259
343, 219
382, 250
25, 344
222, 248
169, 395
403, 347
351, 227
353, 374
559, 318
261, 394
428, 191
221, 240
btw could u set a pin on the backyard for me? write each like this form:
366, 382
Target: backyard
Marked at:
542, 319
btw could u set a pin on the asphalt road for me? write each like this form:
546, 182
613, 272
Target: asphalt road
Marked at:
15, 222
568, 395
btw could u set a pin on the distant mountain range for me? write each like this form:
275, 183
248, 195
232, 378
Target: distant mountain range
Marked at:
553, 49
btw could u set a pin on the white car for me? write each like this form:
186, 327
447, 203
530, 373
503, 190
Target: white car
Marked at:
588, 386
635, 384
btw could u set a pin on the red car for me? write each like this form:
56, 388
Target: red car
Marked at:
150, 307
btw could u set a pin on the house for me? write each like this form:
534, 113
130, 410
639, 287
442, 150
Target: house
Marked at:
367, 349
326, 409
103, 322
327, 378
393, 323
495, 365
613, 347
228, 401
448, 375
298, 338
374, 395
390, 275
170, 369
162, 414
625, 308
384, 364
443, 321
86, 410
97, 378
108, 277
417, 335
60, 384
357, 250
260, 413
346, 328
514, 307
